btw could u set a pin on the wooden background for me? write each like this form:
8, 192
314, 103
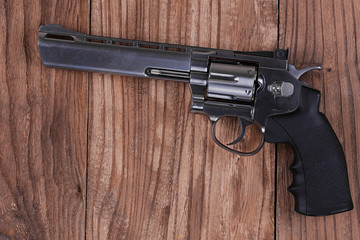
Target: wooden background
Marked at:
92, 156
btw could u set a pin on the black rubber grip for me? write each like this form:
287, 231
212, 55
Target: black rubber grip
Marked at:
320, 181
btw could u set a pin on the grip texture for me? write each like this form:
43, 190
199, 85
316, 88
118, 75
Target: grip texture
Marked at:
320, 181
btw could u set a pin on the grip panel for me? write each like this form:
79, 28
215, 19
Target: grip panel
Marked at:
320, 181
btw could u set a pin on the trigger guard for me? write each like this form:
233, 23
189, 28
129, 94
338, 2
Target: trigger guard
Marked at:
213, 123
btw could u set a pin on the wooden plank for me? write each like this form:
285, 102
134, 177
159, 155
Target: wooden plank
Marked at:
324, 33
154, 171
43, 127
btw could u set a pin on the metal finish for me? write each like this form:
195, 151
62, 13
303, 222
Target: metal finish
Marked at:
222, 83
232, 82
281, 89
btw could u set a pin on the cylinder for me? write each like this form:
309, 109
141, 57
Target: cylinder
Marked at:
234, 82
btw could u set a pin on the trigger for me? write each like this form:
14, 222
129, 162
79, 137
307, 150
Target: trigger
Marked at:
243, 124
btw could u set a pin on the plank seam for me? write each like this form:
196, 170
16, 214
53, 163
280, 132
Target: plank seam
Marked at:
87, 135
276, 145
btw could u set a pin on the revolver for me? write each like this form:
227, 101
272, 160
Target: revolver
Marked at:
259, 88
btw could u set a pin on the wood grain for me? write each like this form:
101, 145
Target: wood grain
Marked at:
154, 171
93, 156
325, 33
43, 127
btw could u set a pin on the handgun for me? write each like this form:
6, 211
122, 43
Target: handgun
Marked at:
259, 88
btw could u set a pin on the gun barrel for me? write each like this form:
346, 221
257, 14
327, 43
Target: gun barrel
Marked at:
62, 48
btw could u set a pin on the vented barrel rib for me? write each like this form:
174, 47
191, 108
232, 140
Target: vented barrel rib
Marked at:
63, 48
